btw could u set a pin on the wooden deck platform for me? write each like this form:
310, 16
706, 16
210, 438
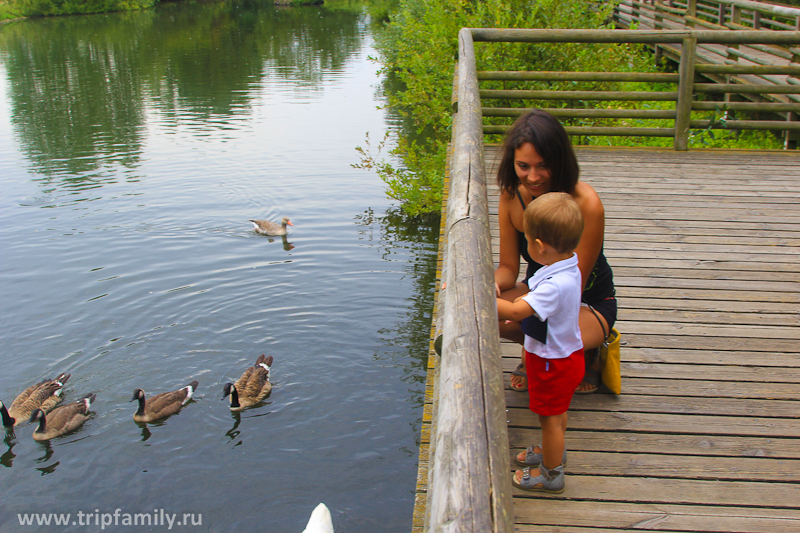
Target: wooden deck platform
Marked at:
705, 247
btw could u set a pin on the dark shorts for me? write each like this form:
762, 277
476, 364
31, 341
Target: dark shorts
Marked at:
533, 327
552, 382
607, 308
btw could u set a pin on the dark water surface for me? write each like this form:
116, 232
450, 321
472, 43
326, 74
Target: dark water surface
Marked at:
133, 149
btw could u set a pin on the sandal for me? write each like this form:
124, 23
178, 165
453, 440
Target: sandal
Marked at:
520, 373
534, 459
551, 480
591, 377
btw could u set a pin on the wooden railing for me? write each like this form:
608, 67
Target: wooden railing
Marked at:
777, 92
469, 486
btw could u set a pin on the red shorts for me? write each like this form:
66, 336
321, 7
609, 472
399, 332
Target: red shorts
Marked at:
552, 382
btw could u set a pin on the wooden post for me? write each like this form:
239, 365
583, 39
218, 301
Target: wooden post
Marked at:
790, 138
685, 91
469, 481
658, 18
721, 14
691, 11
658, 23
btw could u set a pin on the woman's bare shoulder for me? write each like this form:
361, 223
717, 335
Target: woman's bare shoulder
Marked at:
509, 209
588, 199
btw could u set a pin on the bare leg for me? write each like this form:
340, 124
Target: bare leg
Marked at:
554, 430
592, 335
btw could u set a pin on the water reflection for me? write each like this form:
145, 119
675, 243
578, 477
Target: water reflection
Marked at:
10, 440
82, 88
233, 433
409, 338
48, 452
286, 244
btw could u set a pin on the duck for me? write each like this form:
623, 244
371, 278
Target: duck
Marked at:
252, 387
44, 395
320, 521
162, 405
267, 227
61, 420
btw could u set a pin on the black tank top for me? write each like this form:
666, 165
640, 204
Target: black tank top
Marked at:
600, 284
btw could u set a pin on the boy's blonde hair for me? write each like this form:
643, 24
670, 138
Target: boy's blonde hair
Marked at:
555, 219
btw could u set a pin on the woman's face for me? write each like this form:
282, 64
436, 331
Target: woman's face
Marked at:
531, 170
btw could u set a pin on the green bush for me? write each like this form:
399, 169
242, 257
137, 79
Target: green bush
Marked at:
40, 8
418, 50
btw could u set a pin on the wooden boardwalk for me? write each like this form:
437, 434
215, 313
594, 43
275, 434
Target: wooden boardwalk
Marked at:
712, 53
705, 247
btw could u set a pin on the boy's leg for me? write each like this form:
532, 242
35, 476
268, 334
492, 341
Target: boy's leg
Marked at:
553, 436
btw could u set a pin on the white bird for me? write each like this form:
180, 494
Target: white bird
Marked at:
267, 227
320, 521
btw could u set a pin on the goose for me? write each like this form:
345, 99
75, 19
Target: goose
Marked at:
320, 521
162, 405
267, 227
62, 420
252, 387
44, 395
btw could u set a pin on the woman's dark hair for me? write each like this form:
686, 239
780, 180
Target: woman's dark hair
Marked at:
551, 142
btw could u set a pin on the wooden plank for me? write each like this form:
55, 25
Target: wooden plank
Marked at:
676, 491
553, 514
745, 297
716, 330
741, 357
697, 372
642, 252
632, 313
708, 343
682, 269
661, 443
675, 404
678, 466
710, 389
668, 423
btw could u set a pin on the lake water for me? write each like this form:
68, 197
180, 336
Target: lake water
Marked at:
134, 148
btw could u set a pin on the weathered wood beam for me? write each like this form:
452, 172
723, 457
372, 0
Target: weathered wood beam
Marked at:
524, 75
635, 96
633, 36
469, 483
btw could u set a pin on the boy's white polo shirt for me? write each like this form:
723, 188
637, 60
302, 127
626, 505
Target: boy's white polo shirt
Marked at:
555, 296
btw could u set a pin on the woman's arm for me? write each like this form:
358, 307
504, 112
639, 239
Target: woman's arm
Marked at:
505, 277
594, 225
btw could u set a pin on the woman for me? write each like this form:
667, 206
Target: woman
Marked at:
538, 158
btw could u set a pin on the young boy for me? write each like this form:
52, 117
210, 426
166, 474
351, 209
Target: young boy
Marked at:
554, 350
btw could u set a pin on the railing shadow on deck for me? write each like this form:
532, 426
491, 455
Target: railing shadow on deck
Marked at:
469, 485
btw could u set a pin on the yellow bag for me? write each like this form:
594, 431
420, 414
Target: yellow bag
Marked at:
609, 362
